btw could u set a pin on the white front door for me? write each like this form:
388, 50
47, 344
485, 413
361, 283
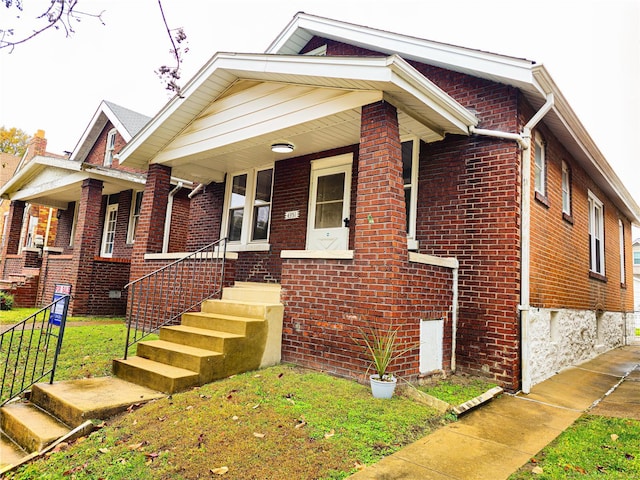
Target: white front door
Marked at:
329, 200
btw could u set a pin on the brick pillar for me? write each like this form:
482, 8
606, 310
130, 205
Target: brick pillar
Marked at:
380, 238
86, 244
150, 230
11, 244
380, 209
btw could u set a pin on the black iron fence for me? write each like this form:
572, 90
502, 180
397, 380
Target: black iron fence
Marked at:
161, 297
29, 350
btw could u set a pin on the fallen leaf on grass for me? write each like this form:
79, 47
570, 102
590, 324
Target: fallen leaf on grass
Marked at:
258, 435
601, 469
614, 437
330, 433
190, 407
359, 466
301, 423
256, 406
75, 469
103, 450
136, 446
628, 456
537, 470
220, 470
235, 418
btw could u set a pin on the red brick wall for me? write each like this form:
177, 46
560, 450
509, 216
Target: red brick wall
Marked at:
560, 246
179, 222
205, 216
55, 269
65, 224
96, 154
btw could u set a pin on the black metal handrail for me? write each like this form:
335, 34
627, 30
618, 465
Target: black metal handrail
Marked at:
30, 349
161, 297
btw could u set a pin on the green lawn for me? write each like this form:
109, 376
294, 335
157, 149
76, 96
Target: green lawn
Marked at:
592, 448
15, 315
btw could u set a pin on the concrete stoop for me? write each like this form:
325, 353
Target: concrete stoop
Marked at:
240, 332
62, 409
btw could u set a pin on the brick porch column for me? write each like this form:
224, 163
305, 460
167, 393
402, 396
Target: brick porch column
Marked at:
380, 238
11, 244
150, 231
86, 244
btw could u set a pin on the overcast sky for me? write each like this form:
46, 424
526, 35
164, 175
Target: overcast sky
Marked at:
590, 47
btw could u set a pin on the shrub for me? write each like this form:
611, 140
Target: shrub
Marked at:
6, 300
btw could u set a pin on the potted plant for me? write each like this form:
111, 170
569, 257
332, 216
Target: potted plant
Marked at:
381, 345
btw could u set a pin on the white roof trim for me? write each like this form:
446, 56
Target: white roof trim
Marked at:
391, 74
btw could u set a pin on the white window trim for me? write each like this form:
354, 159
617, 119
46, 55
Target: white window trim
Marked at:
623, 269
110, 147
74, 223
110, 208
247, 219
539, 143
131, 231
595, 206
566, 187
320, 51
413, 201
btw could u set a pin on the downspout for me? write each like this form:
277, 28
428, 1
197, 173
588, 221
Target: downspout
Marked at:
454, 319
46, 232
524, 141
167, 218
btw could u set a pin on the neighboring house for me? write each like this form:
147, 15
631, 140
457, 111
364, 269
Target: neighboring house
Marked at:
8, 164
389, 181
98, 204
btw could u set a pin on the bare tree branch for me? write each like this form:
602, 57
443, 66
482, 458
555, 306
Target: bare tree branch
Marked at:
171, 75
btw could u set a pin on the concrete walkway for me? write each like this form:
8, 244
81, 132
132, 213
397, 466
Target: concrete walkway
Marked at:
493, 441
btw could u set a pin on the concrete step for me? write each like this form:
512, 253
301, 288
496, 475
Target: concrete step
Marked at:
159, 376
29, 426
201, 338
75, 401
238, 308
178, 355
253, 292
222, 322
10, 452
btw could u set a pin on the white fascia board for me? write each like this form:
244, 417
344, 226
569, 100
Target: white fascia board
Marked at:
510, 70
99, 173
32, 168
57, 184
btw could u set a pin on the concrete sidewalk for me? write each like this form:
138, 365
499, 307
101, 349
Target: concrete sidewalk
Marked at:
495, 440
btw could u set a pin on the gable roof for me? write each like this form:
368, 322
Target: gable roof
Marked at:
127, 122
225, 114
531, 78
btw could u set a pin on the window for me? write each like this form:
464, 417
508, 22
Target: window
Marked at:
636, 258
249, 206
111, 145
566, 188
623, 272
540, 166
134, 216
109, 233
74, 223
596, 235
410, 156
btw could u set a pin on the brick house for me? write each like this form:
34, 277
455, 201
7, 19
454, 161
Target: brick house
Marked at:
98, 203
388, 180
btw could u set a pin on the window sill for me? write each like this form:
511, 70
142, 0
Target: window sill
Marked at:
179, 255
567, 218
249, 247
542, 199
598, 276
319, 254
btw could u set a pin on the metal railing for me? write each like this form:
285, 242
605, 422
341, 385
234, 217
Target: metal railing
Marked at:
30, 349
161, 297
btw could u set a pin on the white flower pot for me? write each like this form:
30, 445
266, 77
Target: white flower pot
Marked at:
382, 388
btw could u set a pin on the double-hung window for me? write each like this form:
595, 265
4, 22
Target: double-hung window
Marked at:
623, 269
111, 146
109, 230
248, 206
566, 189
540, 166
596, 235
134, 216
410, 156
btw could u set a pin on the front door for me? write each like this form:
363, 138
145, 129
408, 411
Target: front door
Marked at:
329, 200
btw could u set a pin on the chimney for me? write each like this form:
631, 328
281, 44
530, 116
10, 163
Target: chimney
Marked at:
37, 146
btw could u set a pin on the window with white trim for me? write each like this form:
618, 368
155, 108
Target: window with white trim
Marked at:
74, 223
410, 159
540, 166
110, 147
109, 232
596, 234
566, 188
248, 206
134, 215
623, 270
636, 258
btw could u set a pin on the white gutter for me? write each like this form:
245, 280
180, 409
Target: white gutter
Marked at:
167, 218
524, 141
